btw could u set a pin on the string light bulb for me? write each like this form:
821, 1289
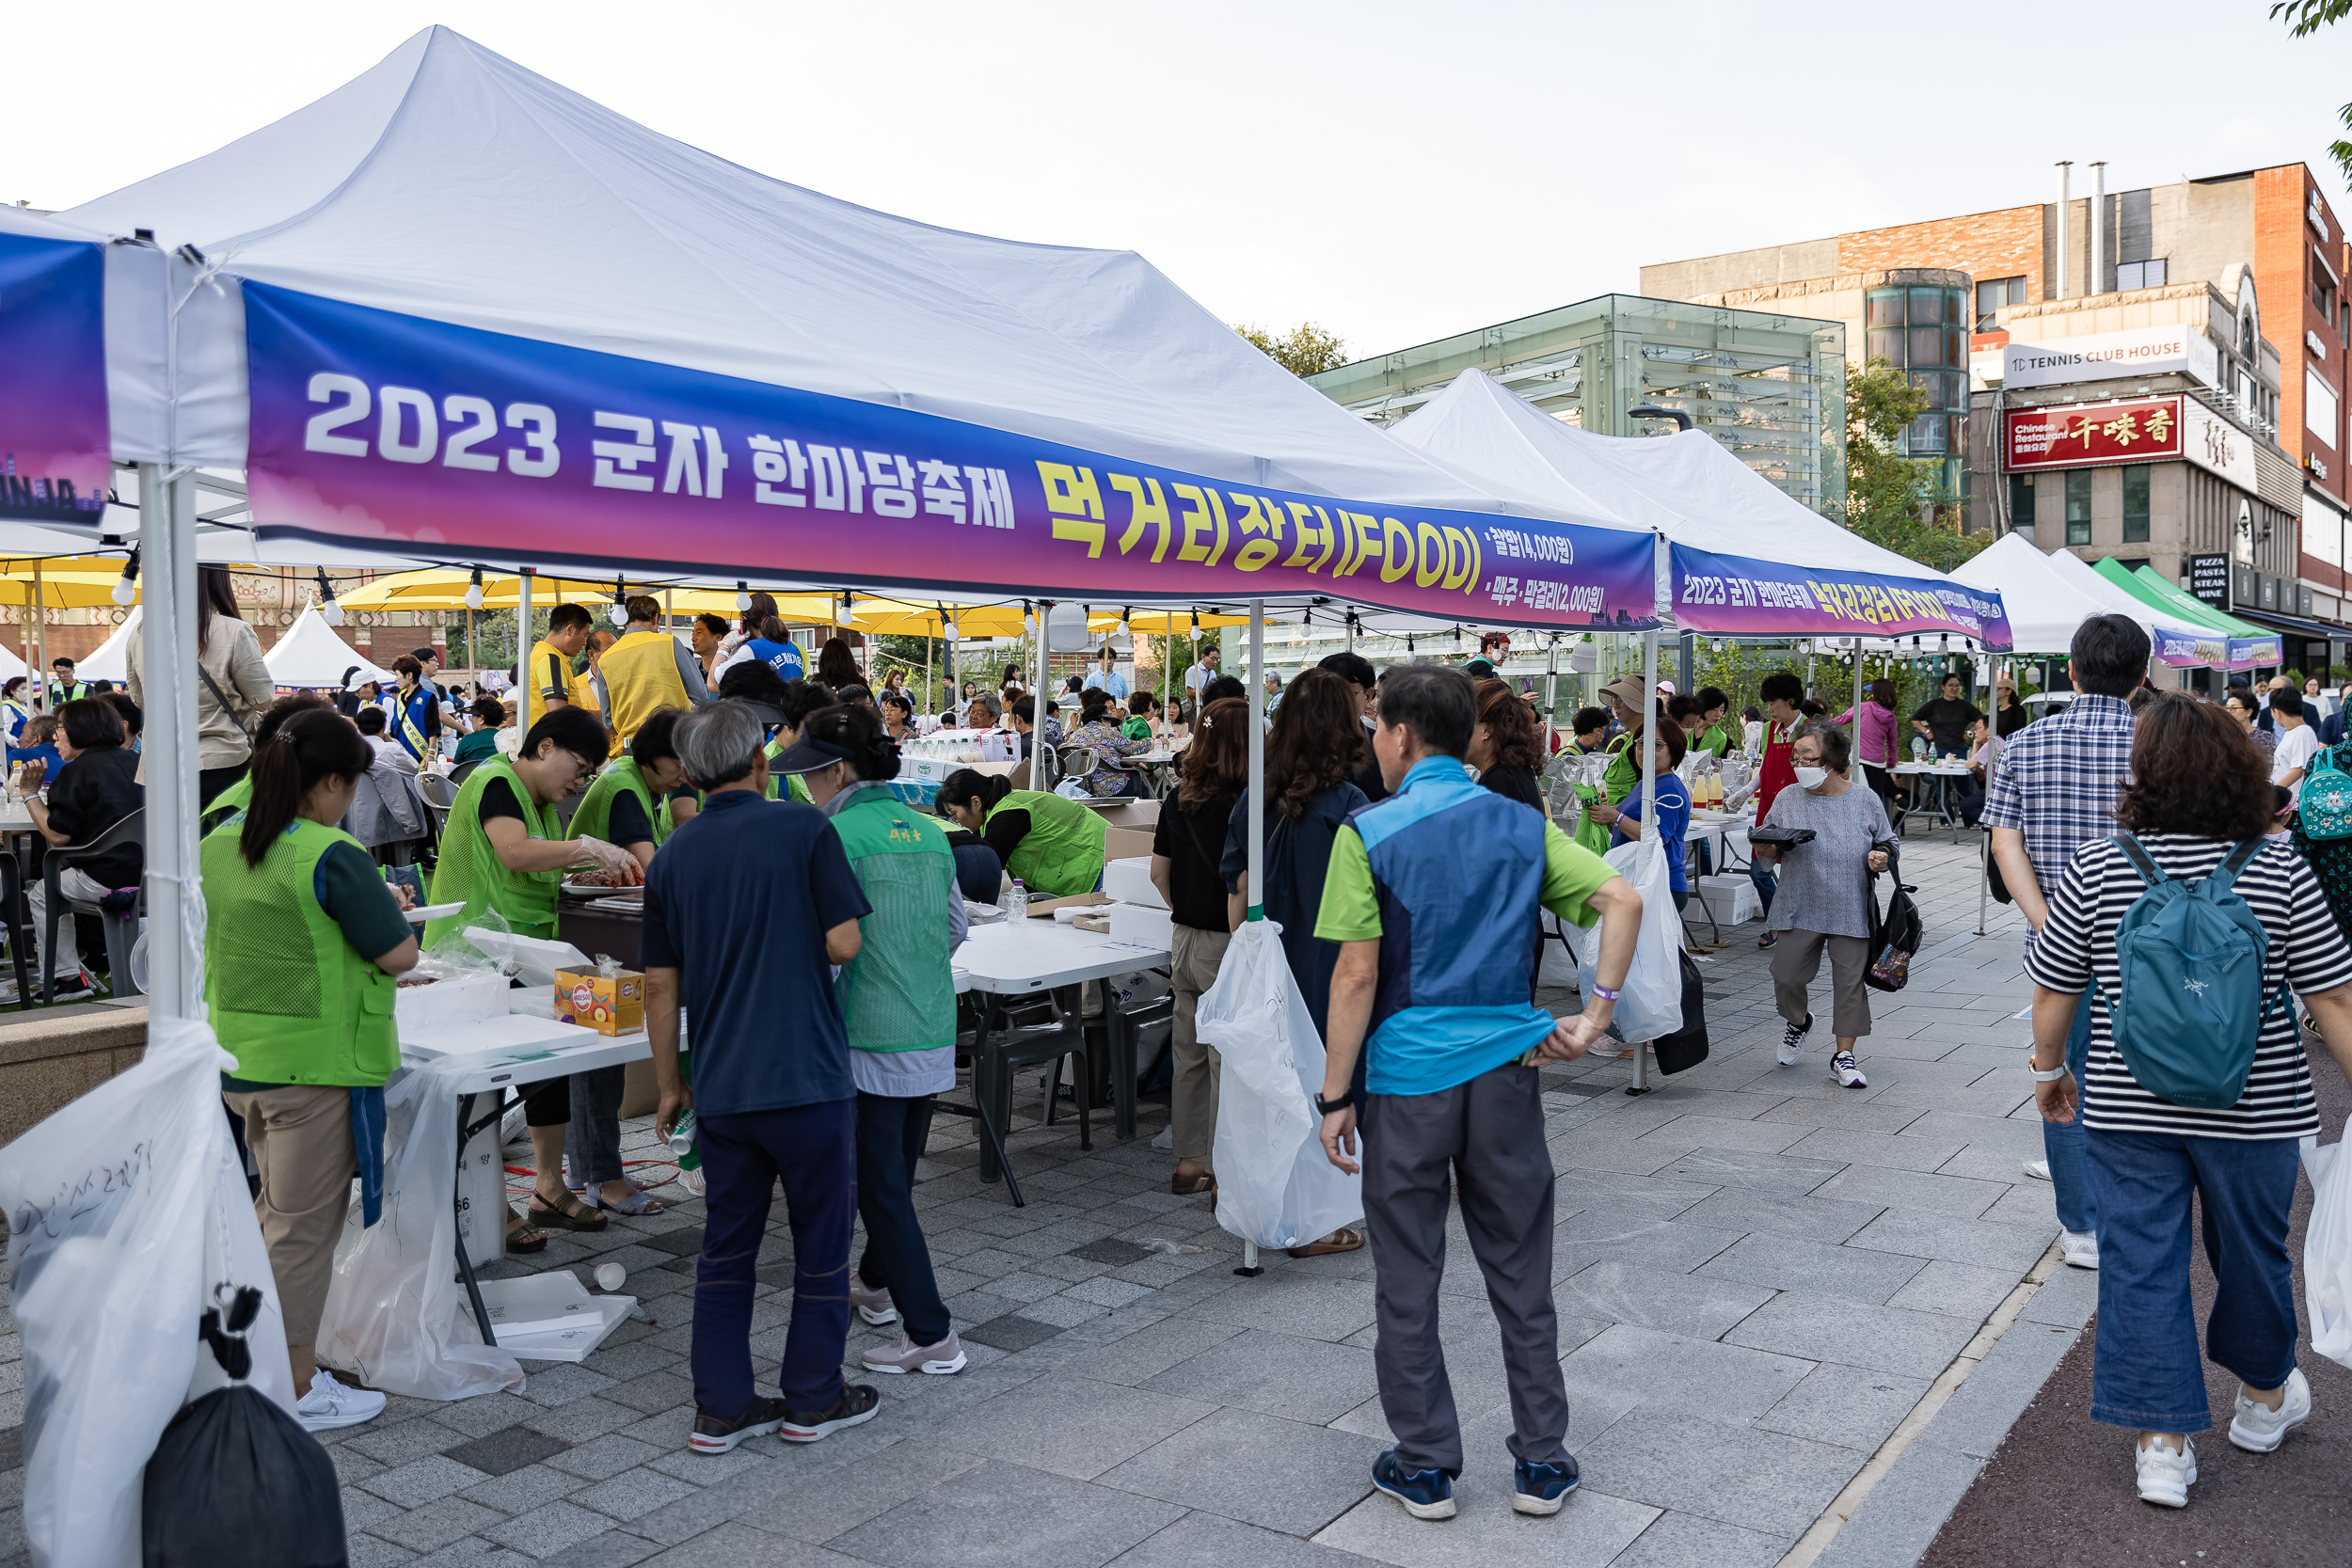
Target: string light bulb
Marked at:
473, 591
619, 612
742, 595
1195, 633
126, 586
329, 612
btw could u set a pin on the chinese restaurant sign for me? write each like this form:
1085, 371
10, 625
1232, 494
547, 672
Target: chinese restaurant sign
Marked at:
376, 427
54, 454
2141, 430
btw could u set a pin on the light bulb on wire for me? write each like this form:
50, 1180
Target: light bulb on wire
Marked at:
742, 596
619, 612
473, 591
125, 588
329, 612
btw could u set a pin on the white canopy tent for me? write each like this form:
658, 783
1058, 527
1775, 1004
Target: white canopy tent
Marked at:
10, 666
2046, 603
111, 659
311, 653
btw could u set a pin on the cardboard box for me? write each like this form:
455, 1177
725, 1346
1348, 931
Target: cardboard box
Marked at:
609, 1003
1129, 881
1732, 900
1137, 923
1144, 814
1126, 843
1042, 908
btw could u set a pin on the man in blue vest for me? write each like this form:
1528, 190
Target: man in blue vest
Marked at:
1433, 896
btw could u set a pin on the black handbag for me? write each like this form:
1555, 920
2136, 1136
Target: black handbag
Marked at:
1995, 882
1686, 1047
1894, 935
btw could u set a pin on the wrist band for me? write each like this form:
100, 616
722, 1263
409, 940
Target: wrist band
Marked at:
1605, 993
2050, 1077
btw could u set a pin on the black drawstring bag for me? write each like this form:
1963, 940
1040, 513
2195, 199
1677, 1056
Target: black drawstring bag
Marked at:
1894, 935
1686, 1047
236, 1483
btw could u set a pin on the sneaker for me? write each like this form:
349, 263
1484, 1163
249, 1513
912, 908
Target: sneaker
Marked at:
693, 1182
874, 1305
2166, 1474
1843, 1068
329, 1404
2259, 1428
2078, 1249
1425, 1493
1793, 1042
714, 1436
902, 1355
1542, 1488
857, 1405
2038, 1169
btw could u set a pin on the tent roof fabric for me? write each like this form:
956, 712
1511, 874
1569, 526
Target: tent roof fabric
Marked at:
1687, 485
449, 183
312, 655
111, 659
2154, 590
2046, 605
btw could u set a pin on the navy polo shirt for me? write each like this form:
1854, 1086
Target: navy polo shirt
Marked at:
738, 901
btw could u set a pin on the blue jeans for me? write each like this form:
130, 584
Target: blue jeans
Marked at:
1766, 880
891, 1132
813, 1149
2063, 1143
2146, 1373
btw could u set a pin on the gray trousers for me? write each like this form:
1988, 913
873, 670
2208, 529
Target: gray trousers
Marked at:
591, 1141
1487, 1135
1797, 959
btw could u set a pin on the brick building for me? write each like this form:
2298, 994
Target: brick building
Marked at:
2215, 303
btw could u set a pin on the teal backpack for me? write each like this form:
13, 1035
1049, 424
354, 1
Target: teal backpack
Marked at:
2326, 801
2190, 1007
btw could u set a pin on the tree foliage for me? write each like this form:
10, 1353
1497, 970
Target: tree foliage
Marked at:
1306, 350
2304, 18
1895, 502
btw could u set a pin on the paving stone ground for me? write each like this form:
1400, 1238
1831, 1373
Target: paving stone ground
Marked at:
1759, 1273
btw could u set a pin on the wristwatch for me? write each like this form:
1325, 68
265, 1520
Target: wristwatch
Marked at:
1327, 1106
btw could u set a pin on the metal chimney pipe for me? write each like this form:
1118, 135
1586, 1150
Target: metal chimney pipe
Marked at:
2098, 229
2054, 287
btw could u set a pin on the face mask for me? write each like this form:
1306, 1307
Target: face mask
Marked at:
1812, 778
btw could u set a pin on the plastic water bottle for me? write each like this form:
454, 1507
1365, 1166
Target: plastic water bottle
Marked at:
682, 1135
1017, 902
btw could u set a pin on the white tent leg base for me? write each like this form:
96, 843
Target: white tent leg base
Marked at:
1640, 1084
1249, 1266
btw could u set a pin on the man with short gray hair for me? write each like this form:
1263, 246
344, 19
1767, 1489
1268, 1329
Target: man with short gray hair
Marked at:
748, 906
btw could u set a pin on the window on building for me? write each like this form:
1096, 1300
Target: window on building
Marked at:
2135, 504
2021, 503
2078, 506
2140, 275
1994, 293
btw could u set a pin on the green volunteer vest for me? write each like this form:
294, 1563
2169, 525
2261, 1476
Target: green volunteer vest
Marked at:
1717, 739
287, 995
1062, 851
470, 873
594, 816
781, 787
1625, 768
899, 993
229, 802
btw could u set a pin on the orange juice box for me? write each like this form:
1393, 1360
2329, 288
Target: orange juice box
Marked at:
612, 1003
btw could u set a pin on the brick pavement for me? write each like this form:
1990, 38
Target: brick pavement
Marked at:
1758, 1275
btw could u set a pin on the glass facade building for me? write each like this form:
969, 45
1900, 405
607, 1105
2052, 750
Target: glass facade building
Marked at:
1923, 331
1770, 387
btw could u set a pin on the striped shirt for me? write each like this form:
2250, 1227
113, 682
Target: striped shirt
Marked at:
2059, 780
2306, 952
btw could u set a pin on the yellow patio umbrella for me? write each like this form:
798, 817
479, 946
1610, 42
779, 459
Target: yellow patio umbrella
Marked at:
71, 585
444, 588
915, 618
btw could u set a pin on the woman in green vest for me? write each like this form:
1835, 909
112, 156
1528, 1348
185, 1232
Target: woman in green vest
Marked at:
899, 1003
641, 797
1052, 845
1721, 733
503, 851
299, 959
239, 794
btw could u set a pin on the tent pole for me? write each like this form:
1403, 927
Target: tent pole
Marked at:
40, 645
1649, 797
166, 654
1257, 758
523, 641
1857, 697
1044, 766
1551, 691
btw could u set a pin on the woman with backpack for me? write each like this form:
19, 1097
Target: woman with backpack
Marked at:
2321, 828
2187, 933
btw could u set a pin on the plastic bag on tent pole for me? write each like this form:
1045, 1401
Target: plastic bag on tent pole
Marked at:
1652, 1003
1274, 1185
395, 1312
2328, 1251
125, 1209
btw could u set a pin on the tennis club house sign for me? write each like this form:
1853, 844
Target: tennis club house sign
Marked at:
2108, 355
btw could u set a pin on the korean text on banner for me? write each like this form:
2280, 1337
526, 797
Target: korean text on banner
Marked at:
371, 425
55, 457
1737, 595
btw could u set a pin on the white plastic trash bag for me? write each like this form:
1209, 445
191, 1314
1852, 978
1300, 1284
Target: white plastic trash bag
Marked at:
125, 1209
1274, 1184
2328, 1251
1651, 1006
396, 1314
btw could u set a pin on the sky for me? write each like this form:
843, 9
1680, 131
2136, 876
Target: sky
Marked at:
1394, 172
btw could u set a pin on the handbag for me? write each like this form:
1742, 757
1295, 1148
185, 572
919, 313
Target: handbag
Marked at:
2326, 801
1686, 1047
1894, 935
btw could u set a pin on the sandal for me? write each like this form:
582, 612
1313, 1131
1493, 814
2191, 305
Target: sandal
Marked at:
523, 1236
637, 1205
1191, 1186
1342, 1239
568, 1218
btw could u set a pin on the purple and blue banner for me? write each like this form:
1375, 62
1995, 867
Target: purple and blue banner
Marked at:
1741, 596
377, 427
2246, 653
56, 455
2185, 648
